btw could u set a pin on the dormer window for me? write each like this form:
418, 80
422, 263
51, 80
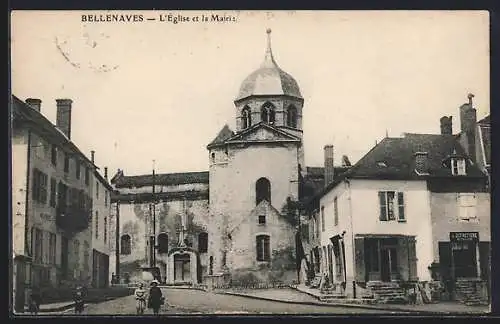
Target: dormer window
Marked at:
458, 166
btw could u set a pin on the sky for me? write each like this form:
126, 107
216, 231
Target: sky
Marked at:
155, 90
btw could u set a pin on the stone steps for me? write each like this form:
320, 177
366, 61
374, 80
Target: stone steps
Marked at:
388, 292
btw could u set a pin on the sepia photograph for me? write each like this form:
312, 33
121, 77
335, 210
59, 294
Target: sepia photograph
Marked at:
171, 162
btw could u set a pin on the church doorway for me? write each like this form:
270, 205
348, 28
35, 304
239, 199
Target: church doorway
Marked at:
182, 267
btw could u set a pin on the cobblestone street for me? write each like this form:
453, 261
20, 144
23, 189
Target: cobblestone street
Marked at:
184, 301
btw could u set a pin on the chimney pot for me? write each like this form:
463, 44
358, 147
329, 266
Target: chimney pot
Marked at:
92, 156
34, 103
446, 125
329, 169
106, 173
468, 123
63, 120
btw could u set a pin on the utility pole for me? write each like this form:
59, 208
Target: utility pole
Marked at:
153, 247
117, 240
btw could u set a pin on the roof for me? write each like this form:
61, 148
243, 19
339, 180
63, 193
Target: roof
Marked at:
313, 181
161, 179
224, 134
269, 79
484, 125
393, 159
25, 113
102, 180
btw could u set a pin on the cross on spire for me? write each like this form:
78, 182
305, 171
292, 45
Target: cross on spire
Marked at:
269, 58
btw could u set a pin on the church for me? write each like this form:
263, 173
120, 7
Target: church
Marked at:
238, 218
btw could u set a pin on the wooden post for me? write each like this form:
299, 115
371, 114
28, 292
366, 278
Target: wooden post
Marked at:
117, 241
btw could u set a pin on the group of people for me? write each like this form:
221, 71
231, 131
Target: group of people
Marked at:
154, 298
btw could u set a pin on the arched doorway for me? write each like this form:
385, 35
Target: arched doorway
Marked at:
182, 267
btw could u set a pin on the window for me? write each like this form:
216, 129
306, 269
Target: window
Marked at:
458, 166
77, 169
87, 176
163, 243
52, 248
125, 244
467, 206
262, 190
86, 257
96, 224
392, 206
76, 251
335, 212
66, 163
62, 195
38, 245
97, 190
53, 155
40, 180
246, 118
203, 242
263, 248
211, 266
262, 219
322, 218
53, 191
105, 225
291, 117
267, 114
212, 157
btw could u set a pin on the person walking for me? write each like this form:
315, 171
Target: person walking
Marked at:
34, 301
156, 298
140, 297
78, 299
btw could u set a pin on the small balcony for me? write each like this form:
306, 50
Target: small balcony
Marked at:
72, 219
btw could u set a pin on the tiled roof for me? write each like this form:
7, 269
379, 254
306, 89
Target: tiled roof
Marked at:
314, 180
224, 134
161, 179
393, 158
22, 112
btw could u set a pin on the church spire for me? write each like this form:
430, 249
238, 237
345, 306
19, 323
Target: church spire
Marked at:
269, 58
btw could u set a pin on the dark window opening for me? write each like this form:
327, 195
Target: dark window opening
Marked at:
203, 242
77, 169
87, 176
246, 118
291, 117
262, 219
53, 191
263, 248
125, 245
53, 156
211, 266
267, 113
262, 190
66, 163
163, 243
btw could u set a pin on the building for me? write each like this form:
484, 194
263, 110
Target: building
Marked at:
234, 218
52, 201
413, 209
101, 237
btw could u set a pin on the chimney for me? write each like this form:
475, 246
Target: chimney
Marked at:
63, 120
106, 173
92, 156
446, 125
468, 121
34, 103
329, 171
421, 163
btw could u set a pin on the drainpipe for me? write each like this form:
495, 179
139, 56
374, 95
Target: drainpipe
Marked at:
352, 238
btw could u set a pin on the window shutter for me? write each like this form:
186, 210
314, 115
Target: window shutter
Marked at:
359, 247
445, 260
401, 207
383, 206
412, 259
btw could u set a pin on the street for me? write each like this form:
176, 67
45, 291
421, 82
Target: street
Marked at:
185, 301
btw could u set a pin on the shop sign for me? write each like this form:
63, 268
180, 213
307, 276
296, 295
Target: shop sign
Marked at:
464, 236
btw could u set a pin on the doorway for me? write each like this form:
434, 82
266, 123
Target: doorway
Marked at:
464, 259
182, 267
388, 264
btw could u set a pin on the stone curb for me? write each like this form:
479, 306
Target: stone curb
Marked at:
389, 310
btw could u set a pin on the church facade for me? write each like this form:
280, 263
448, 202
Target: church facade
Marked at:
233, 219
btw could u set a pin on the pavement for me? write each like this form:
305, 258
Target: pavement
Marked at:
263, 301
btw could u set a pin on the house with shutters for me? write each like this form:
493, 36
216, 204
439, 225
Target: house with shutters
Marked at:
413, 209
